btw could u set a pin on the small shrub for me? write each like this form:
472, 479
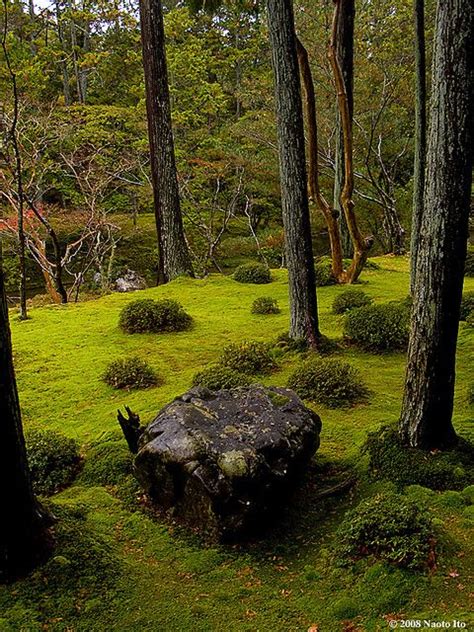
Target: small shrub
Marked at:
467, 305
265, 305
323, 272
257, 273
130, 373
107, 463
218, 377
350, 299
149, 316
470, 319
391, 460
389, 527
329, 382
378, 327
248, 357
53, 459
469, 265
284, 343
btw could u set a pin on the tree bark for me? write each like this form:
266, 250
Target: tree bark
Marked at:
174, 258
313, 163
345, 54
420, 135
299, 251
426, 418
22, 527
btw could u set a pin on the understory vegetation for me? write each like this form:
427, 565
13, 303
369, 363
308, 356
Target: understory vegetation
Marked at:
118, 565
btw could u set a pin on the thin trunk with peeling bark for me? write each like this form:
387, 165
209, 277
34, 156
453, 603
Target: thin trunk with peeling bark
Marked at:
174, 258
426, 417
313, 163
360, 245
299, 251
420, 134
345, 53
22, 527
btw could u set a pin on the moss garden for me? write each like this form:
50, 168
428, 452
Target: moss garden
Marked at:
382, 548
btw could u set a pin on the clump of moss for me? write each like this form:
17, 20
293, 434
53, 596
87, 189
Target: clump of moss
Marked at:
149, 316
130, 373
378, 327
350, 299
265, 305
217, 377
467, 305
107, 463
329, 382
257, 273
390, 459
249, 357
54, 460
388, 527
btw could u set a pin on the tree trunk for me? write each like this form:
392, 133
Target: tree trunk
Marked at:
345, 53
426, 418
174, 258
22, 527
313, 163
299, 251
420, 135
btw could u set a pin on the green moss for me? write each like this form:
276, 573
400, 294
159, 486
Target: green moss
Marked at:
107, 463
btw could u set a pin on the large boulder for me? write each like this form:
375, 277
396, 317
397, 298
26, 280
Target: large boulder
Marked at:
223, 460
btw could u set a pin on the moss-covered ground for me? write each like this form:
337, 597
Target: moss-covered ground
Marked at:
118, 568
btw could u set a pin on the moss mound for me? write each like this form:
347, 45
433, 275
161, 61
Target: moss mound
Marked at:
257, 273
150, 316
378, 327
217, 377
249, 357
391, 460
329, 382
130, 373
265, 305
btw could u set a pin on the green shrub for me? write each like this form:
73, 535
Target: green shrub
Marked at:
469, 265
378, 327
285, 343
107, 463
217, 377
257, 273
467, 305
389, 527
54, 460
391, 460
329, 382
149, 316
470, 319
248, 357
323, 272
350, 299
130, 373
265, 305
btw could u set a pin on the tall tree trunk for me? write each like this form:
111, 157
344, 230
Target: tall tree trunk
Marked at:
299, 251
174, 257
64, 68
345, 53
313, 163
22, 527
426, 418
420, 135
18, 166
360, 245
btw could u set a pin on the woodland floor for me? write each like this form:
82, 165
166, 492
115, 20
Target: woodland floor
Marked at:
117, 568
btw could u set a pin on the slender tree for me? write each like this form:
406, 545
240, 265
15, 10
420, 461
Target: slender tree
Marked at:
291, 142
345, 54
426, 417
420, 134
23, 524
174, 258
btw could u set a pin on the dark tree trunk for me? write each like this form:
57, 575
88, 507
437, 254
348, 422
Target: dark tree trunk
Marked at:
420, 134
174, 258
299, 251
22, 527
426, 418
345, 53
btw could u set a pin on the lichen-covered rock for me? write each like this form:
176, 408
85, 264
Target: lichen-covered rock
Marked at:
222, 460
